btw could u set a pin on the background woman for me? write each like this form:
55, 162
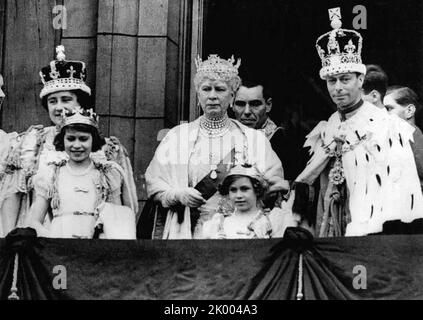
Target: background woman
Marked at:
64, 89
194, 157
75, 186
245, 187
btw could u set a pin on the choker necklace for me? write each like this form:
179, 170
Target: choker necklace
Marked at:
215, 124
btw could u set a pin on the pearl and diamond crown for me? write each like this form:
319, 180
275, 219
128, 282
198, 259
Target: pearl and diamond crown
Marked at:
339, 49
217, 67
62, 75
79, 116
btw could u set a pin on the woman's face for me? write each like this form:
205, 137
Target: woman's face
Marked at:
59, 101
214, 96
242, 194
78, 145
393, 107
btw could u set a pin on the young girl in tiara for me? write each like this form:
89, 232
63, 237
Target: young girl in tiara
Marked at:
245, 188
64, 89
83, 194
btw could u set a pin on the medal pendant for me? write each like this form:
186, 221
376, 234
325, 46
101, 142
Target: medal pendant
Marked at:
213, 175
336, 174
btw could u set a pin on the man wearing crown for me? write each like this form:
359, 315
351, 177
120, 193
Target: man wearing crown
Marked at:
367, 171
64, 89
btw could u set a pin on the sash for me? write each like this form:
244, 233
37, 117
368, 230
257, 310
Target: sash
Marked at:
208, 186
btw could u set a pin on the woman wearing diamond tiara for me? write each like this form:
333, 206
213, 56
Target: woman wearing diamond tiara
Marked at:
194, 157
245, 187
76, 187
64, 88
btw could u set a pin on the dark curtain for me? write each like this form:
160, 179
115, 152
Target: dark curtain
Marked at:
215, 269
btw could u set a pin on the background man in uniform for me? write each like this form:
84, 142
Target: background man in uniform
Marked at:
252, 105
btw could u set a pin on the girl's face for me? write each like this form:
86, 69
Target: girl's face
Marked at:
78, 145
242, 194
59, 101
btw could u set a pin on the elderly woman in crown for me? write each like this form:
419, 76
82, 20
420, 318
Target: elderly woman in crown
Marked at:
64, 89
193, 158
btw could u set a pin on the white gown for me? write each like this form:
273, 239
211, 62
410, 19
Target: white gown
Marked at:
183, 159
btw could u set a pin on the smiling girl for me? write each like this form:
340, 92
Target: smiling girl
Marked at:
64, 89
245, 188
75, 186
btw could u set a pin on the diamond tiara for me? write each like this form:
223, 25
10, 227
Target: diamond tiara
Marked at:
80, 116
218, 67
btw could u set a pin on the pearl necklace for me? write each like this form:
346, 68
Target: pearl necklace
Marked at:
215, 127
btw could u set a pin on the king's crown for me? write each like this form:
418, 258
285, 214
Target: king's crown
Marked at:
339, 49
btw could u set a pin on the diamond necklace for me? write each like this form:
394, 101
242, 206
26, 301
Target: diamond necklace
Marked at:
215, 126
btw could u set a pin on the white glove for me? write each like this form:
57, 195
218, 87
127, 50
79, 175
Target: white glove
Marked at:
189, 197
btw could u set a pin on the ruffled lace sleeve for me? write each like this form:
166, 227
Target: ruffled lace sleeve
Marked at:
112, 179
115, 180
43, 182
114, 151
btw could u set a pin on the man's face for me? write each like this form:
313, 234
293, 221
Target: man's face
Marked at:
2, 95
250, 107
345, 88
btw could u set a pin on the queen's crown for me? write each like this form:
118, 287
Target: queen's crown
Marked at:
217, 66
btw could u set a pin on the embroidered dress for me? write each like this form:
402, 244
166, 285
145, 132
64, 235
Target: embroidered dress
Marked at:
189, 153
263, 224
75, 196
371, 152
31, 153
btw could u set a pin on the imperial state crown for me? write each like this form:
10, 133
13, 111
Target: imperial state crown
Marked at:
339, 49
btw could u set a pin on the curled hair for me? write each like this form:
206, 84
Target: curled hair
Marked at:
233, 82
98, 140
404, 96
259, 187
83, 98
